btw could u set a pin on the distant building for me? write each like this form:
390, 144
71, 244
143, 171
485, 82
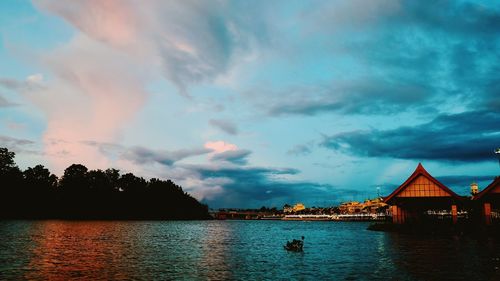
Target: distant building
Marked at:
373, 206
370, 206
352, 207
295, 208
299, 207
474, 188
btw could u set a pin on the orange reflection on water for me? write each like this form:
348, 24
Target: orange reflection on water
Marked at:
77, 250
216, 244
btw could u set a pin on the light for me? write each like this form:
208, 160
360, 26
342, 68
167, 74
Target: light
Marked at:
497, 151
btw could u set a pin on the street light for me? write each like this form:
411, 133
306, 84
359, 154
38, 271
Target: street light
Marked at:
497, 152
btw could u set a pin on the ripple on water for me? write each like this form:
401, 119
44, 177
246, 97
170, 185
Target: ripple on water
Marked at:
235, 250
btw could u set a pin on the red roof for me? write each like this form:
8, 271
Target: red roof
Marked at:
487, 190
420, 171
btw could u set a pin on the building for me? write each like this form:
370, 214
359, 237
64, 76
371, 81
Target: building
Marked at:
474, 188
298, 207
293, 209
488, 202
351, 207
369, 206
373, 206
422, 194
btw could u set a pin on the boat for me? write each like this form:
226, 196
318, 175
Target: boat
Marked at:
295, 245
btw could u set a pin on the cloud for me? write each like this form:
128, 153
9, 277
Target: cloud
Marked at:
31, 83
238, 157
361, 96
190, 41
7, 141
5, 103
464, 181
142, 155
300, 150
18, 145
100, 75
224, 125
251, 187
468, 136
388, 56
220, 146
91, 94
226, 181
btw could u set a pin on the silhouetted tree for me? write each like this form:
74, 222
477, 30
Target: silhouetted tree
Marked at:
39, 177
75, 178
113, 177
98, 180
94, 194
6, 160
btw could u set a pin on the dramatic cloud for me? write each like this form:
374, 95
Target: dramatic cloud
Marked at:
468, 136
393, 56
461, 183
191, 41
356, 97
252, 186
224, 125
387, 79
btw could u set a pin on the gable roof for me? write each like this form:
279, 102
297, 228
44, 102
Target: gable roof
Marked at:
491, 186
420, 171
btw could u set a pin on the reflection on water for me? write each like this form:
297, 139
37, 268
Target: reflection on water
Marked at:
445, 257
235, 250
75, 250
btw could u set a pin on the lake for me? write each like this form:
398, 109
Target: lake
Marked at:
235, 250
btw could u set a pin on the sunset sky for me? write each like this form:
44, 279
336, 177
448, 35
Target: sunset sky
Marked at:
252, 103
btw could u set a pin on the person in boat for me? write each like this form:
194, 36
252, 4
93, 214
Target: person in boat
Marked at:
295, 245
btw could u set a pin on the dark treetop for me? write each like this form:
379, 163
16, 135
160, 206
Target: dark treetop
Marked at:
96, 194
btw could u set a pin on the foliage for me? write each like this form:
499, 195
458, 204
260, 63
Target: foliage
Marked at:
90, 194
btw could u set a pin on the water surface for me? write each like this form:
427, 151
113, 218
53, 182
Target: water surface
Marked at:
235, 250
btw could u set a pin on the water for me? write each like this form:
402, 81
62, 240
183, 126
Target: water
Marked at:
235, 250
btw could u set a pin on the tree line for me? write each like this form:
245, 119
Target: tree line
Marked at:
80, 193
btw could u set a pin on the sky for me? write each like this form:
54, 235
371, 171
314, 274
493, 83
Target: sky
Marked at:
255, 103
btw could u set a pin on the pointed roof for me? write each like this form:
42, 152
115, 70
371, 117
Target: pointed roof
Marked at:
420, 171
491, 186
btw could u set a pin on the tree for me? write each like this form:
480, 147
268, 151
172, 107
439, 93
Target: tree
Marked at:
98, 180
39, 177
113, 177
10, 175
6, 160
130, 183
75, 178
84, 194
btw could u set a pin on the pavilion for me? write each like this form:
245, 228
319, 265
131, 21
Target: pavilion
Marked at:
488, 201
419, 194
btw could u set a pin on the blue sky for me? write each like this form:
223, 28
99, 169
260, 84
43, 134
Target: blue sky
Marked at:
255, 103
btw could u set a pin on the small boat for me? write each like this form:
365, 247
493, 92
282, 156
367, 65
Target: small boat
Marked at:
295, 245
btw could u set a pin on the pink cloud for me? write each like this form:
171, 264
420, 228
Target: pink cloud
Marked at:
220, 146
112, 21
93, 93
176, 36
96, 82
